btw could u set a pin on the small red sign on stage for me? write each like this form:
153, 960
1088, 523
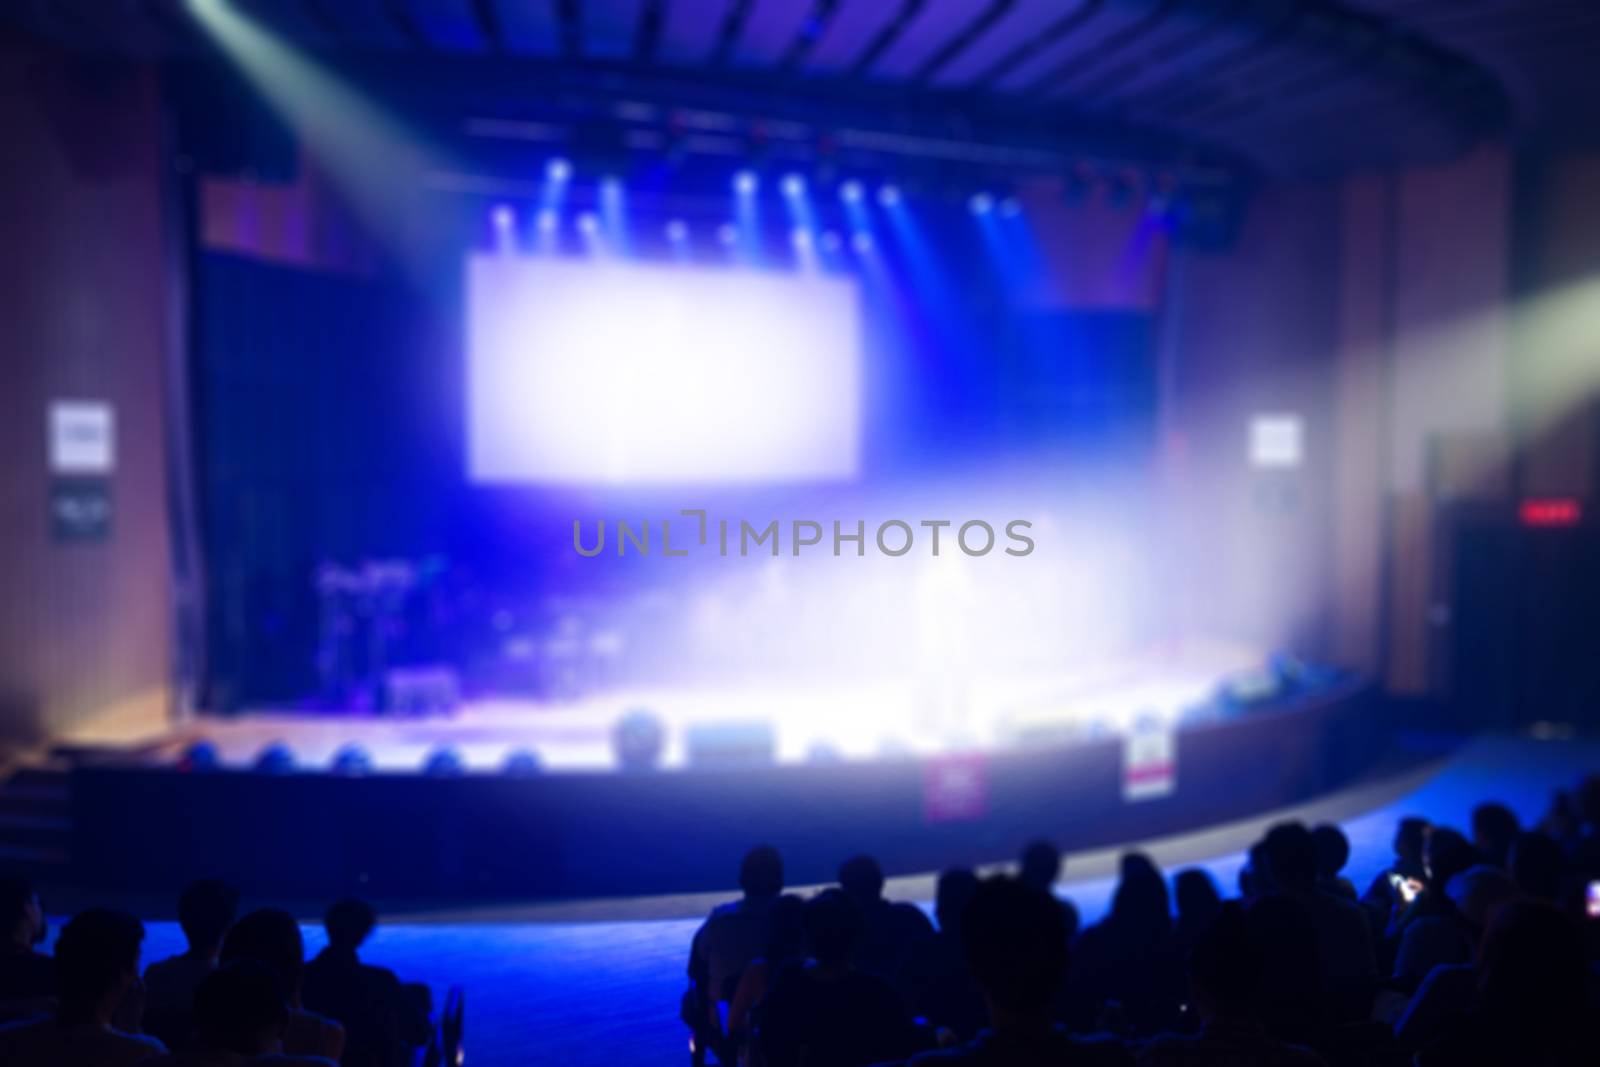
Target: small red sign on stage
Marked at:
955, 788
1551, 511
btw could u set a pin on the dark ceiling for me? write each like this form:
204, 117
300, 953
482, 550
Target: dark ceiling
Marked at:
1296, 86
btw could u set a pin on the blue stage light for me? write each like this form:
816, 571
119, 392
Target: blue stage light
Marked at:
831, 242
444, 762
677, 231
558, 169
728, 234
1010, 207
548, 222
862, 242
851, 192
588, 224
351, 760
889, 196
800, 238
793, 185
981, 203
522, 763
503, 217
276, 758
745, 183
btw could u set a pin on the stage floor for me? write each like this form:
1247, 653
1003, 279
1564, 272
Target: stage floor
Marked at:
921, 717
598, 982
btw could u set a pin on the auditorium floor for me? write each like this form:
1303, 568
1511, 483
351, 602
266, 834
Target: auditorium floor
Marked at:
598, 983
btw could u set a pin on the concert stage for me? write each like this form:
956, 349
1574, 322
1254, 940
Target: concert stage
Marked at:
598, 832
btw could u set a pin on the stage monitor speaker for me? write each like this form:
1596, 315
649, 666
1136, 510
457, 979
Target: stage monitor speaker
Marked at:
733, 744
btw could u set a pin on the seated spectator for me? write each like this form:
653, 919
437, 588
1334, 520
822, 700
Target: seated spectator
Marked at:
1494, 828
827, 1011
97, 966
785, 947
1226, 970
1199, 904
1533, 1003
1040, 867
1333, 852
890, 931
1538, 865
240, 1017
938, 982
1344, 945
27, 976
369, 1002
1293, 1004
1429, 932
1016, 946
271, 937
206, 909
1410, 839
1130, 958
1445, 996
732, 935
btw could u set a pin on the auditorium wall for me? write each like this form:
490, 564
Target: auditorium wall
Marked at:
84, 624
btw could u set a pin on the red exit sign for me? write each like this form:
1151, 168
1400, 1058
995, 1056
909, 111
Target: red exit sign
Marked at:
1551, 511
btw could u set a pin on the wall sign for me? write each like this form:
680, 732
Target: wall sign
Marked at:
82, 437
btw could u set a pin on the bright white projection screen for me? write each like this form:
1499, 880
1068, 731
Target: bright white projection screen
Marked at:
596, 372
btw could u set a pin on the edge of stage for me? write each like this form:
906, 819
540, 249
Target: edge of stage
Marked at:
141, 827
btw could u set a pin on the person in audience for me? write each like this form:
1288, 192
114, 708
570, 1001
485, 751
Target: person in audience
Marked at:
1226, 969
785, 947
206, 909
1293, 1004
1131, 957
1538, 865
1343, 936
1333, 852
1494, 828
27, 976
369, 1002
732, 935
1407, 868
1198, 902
96, 968
890, 930
1429, 931
240, 1017
1040, 867
827, 1011
938, 981
271, 937
1534, 1002
1016, 946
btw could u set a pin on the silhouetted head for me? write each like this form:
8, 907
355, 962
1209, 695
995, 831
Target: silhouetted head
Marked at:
1254, 878
348, 922
97, 960
21, 917
271, 937
240, 1008
1333, 850
761, 872
1447, 855
1015, 938
862, 878
786, 937
833, 926
205, 911
1410, 837
1494, 827
1198, 899
1040, 866
954, 893
1538, 866
1226, 965
1291, 857
1141, 904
